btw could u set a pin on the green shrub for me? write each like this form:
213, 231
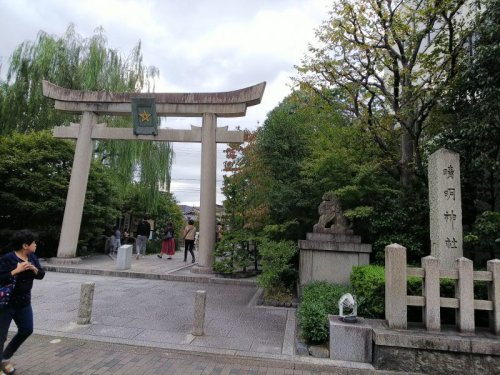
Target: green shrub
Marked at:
278, 274
233, 252
319, 299
153, 246
368, 286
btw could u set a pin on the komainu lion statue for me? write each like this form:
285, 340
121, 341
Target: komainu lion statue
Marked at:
331, 219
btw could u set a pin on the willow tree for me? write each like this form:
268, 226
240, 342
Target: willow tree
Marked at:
79, 63
393, 60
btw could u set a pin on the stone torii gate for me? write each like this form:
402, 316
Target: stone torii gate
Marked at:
91, 104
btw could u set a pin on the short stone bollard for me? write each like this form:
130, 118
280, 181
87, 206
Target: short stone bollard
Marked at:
199, 312
86, 298
124, 257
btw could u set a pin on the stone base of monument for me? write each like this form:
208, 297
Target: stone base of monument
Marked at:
350, 341
330, 252
202, 270
331, 256
124, 257
64, 261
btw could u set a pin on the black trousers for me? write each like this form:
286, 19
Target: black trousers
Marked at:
23, 317
188, 246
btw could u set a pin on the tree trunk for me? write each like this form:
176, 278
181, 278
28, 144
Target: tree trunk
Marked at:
407, 158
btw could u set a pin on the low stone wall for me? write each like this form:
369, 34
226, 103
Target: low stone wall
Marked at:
417, 350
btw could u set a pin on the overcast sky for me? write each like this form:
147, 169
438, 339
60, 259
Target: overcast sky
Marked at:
198, 46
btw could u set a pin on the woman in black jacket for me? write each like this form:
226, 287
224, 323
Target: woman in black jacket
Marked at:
23, 266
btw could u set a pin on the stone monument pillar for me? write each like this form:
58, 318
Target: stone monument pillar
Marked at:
445, 207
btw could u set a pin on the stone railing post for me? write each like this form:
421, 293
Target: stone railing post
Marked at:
464, 291
494, 294
395, 286
199, 312
430, 290
86, 299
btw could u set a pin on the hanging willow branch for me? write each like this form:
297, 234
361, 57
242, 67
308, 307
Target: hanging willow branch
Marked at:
85, 64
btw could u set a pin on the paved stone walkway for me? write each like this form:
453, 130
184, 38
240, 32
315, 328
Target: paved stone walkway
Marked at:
161, 313
142, 320
44, 355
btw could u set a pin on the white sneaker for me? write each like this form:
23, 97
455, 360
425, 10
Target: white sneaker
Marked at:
7, 368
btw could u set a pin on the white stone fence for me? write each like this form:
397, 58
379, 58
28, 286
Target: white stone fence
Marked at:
396, 299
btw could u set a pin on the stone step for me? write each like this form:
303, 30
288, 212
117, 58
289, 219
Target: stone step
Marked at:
337, 237
348, 247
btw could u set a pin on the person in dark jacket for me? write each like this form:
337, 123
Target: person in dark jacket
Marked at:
22, 265
143, 232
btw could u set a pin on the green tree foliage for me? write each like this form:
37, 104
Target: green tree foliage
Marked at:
235, 253
164, 211
283, 144
392, 60
306, 148
168, 211
471, 113
245, 187
84, 64
34, 170
278, 275
484, 235
273, 186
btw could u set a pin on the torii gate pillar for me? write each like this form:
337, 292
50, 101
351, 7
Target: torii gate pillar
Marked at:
77, 188
209, 106
207, 193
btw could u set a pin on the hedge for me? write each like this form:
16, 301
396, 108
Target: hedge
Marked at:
319, 299
368, 285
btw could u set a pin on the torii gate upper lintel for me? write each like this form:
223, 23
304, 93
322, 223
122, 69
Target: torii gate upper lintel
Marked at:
90, 104
223, 104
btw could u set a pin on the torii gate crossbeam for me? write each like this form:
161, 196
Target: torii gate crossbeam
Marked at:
90, 104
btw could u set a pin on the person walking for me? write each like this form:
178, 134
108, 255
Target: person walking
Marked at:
189, 234
141, 242
218, 232
116, 239
168, 243
126, 236
20, 266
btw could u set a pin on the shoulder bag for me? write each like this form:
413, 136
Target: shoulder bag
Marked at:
6, 292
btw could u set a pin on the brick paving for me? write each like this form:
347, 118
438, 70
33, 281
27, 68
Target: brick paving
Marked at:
48, 355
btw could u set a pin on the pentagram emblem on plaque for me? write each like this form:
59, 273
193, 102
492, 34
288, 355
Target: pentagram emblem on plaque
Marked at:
144, 116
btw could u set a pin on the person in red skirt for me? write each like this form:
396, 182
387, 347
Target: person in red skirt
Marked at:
168, 243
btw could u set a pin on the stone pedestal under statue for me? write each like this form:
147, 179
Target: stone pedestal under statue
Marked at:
330, 252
